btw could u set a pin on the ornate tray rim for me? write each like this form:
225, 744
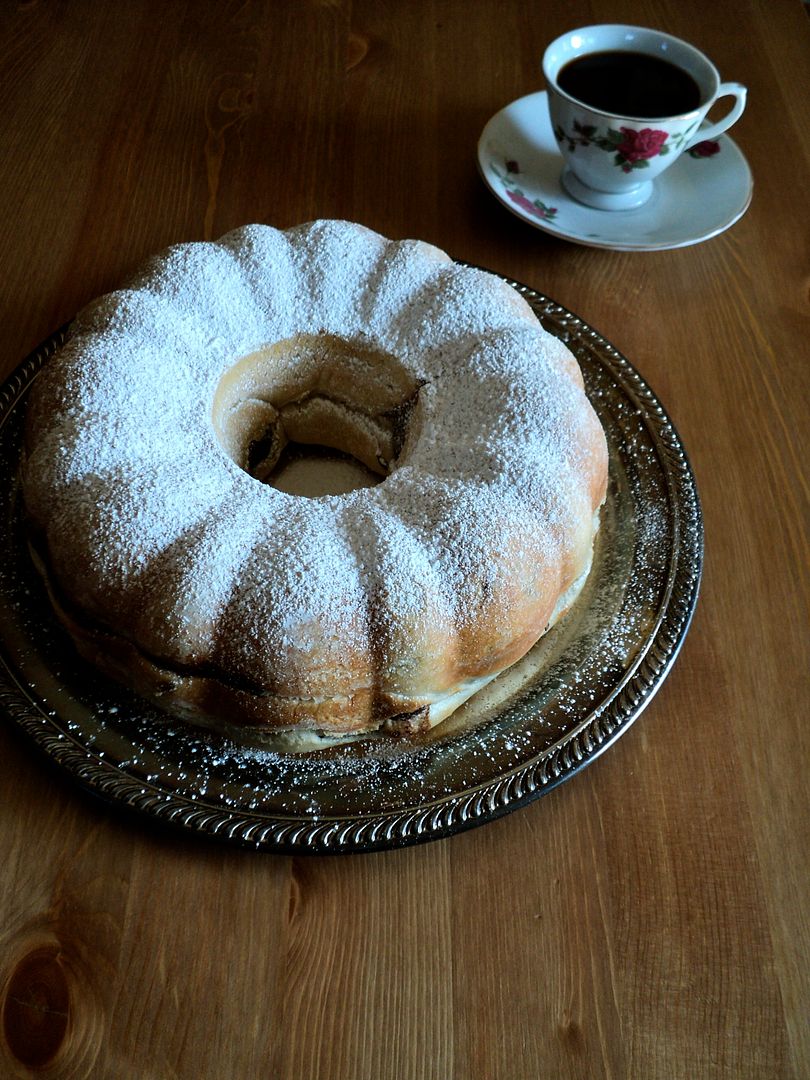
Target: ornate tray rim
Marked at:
459, 810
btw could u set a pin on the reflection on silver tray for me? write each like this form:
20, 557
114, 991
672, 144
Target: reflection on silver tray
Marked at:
534, 727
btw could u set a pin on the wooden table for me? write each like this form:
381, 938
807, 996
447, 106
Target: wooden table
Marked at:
649, 919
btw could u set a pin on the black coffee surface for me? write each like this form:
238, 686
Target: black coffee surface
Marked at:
630, 84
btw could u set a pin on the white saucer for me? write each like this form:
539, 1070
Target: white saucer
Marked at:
695, 199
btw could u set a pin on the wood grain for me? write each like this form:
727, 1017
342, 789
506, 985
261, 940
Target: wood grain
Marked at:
651, 918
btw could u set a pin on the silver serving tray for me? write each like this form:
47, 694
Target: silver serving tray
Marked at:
531, 729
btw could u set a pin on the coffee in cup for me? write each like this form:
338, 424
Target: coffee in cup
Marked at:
625, 102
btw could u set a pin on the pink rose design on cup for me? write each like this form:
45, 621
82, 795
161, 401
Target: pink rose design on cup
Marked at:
631, 148
640, 146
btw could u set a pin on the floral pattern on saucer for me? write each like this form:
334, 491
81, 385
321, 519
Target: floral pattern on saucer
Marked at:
535, 207
707, 148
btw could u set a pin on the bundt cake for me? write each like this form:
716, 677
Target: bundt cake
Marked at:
153, 437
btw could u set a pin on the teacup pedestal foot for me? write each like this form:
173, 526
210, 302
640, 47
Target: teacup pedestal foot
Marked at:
606, 200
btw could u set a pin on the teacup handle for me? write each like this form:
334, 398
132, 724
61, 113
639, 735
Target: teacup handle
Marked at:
733, 89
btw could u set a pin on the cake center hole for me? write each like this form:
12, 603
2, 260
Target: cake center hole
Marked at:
315, 415
313, 471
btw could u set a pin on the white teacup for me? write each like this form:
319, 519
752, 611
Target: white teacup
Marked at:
613, 150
